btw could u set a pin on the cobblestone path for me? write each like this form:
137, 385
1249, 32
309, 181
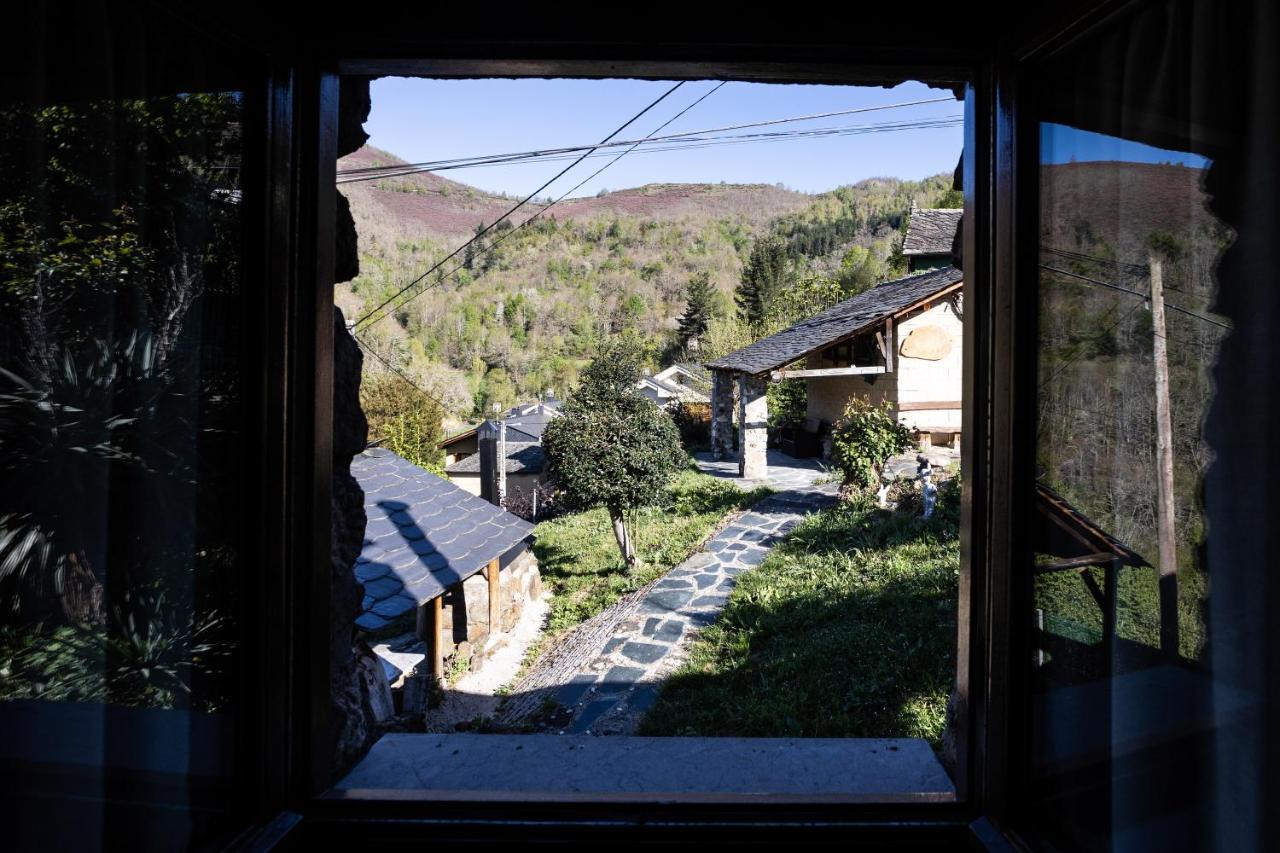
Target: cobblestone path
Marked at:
608, 671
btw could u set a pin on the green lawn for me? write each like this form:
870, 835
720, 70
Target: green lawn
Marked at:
846, 630
578, 556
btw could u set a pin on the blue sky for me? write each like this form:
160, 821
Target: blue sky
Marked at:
422, 120
1062, 144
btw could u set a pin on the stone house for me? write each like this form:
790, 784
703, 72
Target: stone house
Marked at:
466, 465
897, 343
461, 564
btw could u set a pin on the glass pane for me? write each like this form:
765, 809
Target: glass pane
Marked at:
120, 441
1128, 338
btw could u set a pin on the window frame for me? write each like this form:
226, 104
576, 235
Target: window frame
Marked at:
998, 352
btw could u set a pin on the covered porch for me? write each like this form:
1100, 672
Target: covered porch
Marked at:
896, 343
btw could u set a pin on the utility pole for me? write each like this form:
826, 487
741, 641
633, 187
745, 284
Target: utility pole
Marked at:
1164, 464
502, 463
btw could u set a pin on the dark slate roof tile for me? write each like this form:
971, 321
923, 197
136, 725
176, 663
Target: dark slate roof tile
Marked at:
370, 621
523, 457
366, 572
382, 587
837, 322
422, 535
389, 608
931, 231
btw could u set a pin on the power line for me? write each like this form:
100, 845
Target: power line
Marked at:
562, 196
398, 372
690, 143
1132, 292
620, 144
519, 205
1136, 270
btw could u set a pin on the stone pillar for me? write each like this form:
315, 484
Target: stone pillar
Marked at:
753, 424
721, 414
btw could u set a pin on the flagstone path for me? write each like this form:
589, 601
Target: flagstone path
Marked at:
607, 673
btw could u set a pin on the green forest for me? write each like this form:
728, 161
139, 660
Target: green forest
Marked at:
527, 307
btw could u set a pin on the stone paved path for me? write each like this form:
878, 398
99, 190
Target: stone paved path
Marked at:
607, 673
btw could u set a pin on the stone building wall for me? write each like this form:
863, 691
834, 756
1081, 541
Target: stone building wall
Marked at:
466, 611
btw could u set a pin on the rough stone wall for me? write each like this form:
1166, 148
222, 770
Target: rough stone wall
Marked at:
753, 421
721, 414
466, 612
357, 700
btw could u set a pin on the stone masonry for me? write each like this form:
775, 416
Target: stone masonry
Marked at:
722, 414
753, 422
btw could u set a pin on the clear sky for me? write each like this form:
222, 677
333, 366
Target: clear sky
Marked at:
1062, 144
420, 120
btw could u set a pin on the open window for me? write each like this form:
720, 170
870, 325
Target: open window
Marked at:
598, 664
172, 368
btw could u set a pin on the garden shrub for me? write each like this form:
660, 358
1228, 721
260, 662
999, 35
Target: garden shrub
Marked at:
864, 438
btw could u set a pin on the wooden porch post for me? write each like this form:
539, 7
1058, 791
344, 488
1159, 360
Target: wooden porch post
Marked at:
430, 628
495, 610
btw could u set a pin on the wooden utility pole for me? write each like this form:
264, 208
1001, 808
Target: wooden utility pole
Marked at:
1164, 465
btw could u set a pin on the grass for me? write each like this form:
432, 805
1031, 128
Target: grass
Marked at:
579, 560
846, 630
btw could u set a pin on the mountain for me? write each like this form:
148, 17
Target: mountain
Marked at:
525, 308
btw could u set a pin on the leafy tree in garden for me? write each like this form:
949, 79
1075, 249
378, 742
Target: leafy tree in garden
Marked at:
764, 277
611, 447
700, 296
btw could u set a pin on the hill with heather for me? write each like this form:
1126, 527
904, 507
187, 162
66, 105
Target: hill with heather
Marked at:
523, 310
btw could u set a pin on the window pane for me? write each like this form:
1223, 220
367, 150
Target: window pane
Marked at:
1123, 690
120, 440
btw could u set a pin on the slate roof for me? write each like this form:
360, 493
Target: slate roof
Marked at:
532, 419
837, 322
523, 457
931, 231
422, 535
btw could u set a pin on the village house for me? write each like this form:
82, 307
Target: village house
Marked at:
471, 456
898, 343
930, 241
682, 382
461, 564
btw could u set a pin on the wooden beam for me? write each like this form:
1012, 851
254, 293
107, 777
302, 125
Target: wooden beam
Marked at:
944, 405
495, 607
434, 636
890, 344
1080, 563
827, 371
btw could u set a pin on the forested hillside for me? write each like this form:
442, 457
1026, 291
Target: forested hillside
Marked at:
528, 307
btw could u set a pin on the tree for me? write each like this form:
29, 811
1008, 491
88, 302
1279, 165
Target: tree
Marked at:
611, 447
699, 296
403, 419
860, 269
765, 275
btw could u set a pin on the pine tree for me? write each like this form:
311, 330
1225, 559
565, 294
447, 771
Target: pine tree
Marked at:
765, 275
697, 313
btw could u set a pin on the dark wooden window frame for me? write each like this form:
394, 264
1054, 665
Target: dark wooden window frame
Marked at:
999, 359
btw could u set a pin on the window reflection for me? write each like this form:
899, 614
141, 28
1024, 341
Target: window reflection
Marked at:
1127, 341
120, 441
